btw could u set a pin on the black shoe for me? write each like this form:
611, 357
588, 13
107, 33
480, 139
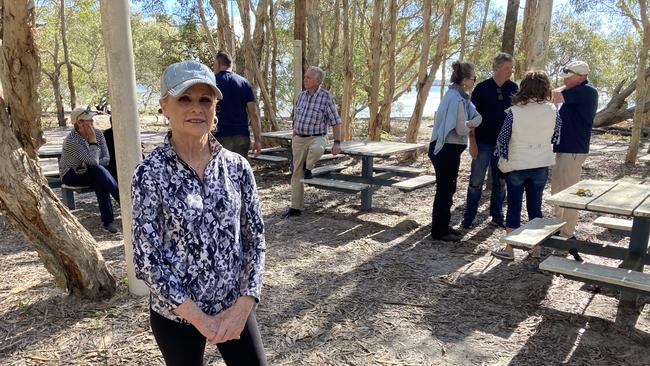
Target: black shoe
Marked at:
455, 232
291, 212
307, 174
465, 226
498, 223
111, 228
446, 237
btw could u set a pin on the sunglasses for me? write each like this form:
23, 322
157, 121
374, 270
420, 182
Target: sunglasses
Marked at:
569, 71
499, 94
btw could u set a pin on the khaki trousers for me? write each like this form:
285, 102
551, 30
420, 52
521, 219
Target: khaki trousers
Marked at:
565, 173
306, 152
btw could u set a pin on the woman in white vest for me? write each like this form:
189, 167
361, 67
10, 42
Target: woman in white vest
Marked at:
525, 150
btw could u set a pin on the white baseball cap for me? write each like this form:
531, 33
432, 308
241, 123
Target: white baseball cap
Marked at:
81, 113
576, 68
180, 76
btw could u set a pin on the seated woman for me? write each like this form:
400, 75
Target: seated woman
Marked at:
525, 150
83, 162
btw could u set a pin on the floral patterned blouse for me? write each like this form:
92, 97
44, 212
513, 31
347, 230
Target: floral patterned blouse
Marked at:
193, 239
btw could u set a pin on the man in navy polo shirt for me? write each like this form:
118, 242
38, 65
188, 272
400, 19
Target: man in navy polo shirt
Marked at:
236, 110
491, 98
579, 103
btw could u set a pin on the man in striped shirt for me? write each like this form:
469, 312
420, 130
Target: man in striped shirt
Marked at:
314, 111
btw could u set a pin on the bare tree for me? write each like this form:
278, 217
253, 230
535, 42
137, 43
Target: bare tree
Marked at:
389, 68
67, 250
66, 55
463, 28
426, 80
537, 26
348, 75
300, 28
479, 41
204, 23
224, 28
313, 33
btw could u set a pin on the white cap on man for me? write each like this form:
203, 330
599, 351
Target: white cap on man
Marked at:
575, 68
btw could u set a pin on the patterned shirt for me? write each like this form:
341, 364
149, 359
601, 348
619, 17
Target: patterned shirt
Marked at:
193, 239
506, 132
78, 153
313, 113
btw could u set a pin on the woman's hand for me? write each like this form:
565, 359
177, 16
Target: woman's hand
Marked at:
230, 322
90, 134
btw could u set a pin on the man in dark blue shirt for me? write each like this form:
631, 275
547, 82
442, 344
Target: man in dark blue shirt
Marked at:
236, 110
491, 98
579, 103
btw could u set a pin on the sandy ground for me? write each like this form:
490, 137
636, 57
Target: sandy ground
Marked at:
345, 287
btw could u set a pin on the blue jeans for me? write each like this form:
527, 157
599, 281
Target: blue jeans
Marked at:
533, 182
484, 159
101, 180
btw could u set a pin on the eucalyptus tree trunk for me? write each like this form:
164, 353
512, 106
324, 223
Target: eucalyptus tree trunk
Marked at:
204, 23
300, 28
67, 250
66, 55
331, 56
313, 33
426, 80
640, 114
389, 68
374, 64
224, 28
274, 54
510, 27
479, 41
348, 76
463, 29
537, 26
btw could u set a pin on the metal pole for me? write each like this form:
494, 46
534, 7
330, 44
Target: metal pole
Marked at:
116, 30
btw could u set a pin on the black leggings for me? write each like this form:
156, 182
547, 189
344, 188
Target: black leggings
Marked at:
182, 344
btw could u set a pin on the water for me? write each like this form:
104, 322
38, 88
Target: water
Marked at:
403, 107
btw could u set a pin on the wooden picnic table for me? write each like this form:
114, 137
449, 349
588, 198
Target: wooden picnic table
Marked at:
50, 151
618, 198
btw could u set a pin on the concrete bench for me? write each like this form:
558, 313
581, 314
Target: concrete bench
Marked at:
599, 274
532, 233
269, 158
402, 170
414, 183
273, 149
325, 169
67, 193
612, 223
336, 185
645, 158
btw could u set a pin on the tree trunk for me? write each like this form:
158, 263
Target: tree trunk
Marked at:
617, 109
641, 87
274, 54
67, 250
224, 28
479, 41
58, 100
443, 76
537, 27
66, 55
331, 58
389, 69
527, 33
269, 110
425, 81
204, 23
463, 29
374, 64
510, 27
300, 28
348, 76
313, 33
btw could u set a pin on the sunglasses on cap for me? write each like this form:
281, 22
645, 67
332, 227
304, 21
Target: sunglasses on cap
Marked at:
499, 94
569, 71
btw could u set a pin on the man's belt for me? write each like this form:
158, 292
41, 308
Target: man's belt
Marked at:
314, 135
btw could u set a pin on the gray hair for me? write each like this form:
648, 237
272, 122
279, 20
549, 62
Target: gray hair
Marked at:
320, 74
500, 59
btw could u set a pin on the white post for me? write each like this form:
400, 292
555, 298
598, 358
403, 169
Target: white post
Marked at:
116, 29
297, 68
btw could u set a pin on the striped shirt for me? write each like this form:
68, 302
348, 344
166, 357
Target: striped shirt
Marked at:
313, 113
77, 153
193, 239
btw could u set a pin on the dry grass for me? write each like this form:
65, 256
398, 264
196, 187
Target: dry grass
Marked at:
344, 287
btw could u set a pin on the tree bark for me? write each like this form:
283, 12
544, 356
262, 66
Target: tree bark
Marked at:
641, 86
537, 27
227, 40
510, 27
313, 33
374, 65
348, 76
617, 109
389, 69
204, 23
66, 55
300, 28
274, 53
67, 250
463, 29
425, 81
